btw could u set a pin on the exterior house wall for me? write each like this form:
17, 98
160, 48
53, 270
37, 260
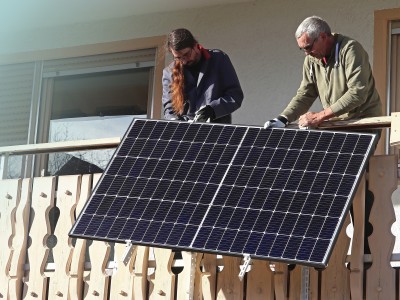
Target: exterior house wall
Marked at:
258, 36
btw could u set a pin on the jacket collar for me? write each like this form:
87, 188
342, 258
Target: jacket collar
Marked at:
204, 52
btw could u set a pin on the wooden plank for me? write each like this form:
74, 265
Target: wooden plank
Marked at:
19, 242
77, 265
395, 130
295, 285
9, 197
140, 272
381, 59
185, 288
209, 276
314, 283
281, 281
42, 201
335, 281
229, 285
68, 191
198, 276
382, 183
164, 279
97, 280
357, 247
365, 123
61, 146
260, 281
121, 280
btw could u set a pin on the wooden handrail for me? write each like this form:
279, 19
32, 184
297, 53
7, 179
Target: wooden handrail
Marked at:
365, 123
64, 146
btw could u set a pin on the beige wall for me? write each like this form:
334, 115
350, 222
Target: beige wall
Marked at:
258, 36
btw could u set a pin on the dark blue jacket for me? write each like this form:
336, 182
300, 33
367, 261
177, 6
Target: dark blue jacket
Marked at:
217, 86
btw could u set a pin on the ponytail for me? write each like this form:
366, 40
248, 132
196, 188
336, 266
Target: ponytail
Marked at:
177, 87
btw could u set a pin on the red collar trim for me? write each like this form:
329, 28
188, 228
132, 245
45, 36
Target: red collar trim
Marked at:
204, 52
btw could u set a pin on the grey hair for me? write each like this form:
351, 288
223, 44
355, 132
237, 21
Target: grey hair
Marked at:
313, 26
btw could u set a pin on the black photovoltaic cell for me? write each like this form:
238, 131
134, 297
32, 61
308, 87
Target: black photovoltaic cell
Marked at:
279, 194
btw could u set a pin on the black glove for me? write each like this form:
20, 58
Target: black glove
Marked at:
279, 122
204, 113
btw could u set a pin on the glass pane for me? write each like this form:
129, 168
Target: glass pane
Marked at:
13, 164
110, 93
93, 106
73, 129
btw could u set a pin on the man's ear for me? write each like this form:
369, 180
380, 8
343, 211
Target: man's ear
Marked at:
323, 35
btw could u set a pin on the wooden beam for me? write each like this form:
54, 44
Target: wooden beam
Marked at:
395, 130
66, 146
382, 20
365, 123
353, 124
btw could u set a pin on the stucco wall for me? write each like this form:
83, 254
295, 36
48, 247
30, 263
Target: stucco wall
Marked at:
258, 36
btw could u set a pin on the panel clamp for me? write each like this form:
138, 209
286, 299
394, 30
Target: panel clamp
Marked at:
128, 252
245, 266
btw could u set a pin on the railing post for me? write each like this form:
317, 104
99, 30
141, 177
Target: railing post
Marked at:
4, 165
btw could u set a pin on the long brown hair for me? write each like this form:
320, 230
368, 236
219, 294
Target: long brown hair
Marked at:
177, 40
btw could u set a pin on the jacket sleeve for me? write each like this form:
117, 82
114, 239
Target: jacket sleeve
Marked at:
232, 94
305, 96
358, 72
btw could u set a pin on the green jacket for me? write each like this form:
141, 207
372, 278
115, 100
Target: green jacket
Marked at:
345, 84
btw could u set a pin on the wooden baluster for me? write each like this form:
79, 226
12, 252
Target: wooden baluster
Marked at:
357, 248
260, 281
186, 282
67, 197
296, 281
335, 281
382, 183
9, 197
198, 292
140, 273
164, 279
229, 286
19, 242
281, 280
121, 280
209, 276
42, 201
77, 266
98, 281
314, 283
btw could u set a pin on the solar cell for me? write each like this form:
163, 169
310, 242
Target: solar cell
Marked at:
276, 194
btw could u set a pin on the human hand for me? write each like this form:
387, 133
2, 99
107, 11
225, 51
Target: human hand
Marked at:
204, 113
279, 122
310, 119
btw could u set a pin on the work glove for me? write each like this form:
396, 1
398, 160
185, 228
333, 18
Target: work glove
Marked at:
278, 122
204, 113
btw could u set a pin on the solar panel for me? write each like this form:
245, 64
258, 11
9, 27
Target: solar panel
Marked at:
276, 194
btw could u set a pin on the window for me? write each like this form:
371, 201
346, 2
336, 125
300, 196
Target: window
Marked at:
85, 92
92, 106
93, 97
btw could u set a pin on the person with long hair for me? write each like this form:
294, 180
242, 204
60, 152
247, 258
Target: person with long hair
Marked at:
200, 84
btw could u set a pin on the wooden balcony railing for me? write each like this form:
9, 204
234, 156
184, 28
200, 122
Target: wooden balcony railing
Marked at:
83, 269
40, 261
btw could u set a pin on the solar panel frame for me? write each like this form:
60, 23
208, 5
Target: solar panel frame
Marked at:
203, 187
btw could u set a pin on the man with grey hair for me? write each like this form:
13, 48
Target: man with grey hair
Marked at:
336, 69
